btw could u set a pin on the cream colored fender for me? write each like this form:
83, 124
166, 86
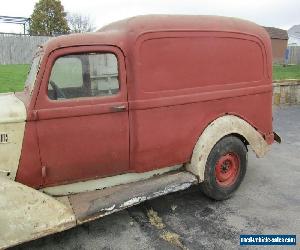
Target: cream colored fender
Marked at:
12, 127
216, 130
27, 214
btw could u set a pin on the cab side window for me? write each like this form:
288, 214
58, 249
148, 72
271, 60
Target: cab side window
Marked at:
84, 75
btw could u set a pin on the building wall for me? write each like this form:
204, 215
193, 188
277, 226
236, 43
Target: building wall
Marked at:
294, 41
278, 50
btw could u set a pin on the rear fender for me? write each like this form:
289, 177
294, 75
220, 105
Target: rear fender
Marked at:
215, 131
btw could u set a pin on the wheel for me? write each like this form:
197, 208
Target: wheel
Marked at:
225, 168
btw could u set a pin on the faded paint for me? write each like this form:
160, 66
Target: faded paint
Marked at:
92, 205
12, 109
216, 130
10, 152
150, 118
132, 140
102, 183
12, 123
27, 214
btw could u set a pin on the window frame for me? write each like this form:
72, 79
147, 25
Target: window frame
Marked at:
43, 101
86, 82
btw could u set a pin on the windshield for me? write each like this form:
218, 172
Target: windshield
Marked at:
34, 69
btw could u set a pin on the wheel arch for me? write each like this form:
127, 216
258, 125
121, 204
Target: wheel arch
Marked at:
215, 131
242, 138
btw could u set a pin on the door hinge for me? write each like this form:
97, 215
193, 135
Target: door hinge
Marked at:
35, 115
44, 172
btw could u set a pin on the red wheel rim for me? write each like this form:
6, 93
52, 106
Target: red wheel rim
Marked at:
227, 169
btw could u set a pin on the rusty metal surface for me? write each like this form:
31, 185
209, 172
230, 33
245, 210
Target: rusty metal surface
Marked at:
155, 129
107, 182
27, 214
219, 128
91, 205
271, 186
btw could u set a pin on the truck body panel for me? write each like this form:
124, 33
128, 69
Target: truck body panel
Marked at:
195, 68
104, 113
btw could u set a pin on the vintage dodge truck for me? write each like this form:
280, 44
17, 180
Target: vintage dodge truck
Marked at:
143, 107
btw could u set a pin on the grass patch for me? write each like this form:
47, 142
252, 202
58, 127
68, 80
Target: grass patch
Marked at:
155, 220
287, 72
171, 237
13, 77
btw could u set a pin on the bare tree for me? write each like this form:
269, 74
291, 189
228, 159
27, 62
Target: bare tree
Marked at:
79, 23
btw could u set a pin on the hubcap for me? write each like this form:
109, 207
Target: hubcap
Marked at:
227, 169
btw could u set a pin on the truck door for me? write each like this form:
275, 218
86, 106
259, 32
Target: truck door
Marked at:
82, 115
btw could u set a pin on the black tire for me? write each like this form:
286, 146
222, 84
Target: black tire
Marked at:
225, 155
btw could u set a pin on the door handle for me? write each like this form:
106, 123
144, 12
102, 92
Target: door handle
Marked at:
118, 108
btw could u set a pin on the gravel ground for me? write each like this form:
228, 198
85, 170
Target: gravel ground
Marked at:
267, 202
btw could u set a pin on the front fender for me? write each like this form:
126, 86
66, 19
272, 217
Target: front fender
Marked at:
27, 214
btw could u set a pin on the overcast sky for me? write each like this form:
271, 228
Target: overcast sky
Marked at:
276, 13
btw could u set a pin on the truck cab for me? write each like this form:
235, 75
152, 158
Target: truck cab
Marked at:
141, 98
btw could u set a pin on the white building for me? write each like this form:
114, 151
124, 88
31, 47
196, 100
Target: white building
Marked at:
294, 36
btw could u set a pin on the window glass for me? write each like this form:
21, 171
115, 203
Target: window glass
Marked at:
84, 75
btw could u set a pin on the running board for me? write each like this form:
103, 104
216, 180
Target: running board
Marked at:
95, 204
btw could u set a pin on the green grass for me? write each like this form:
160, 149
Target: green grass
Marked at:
12, 77
287, 72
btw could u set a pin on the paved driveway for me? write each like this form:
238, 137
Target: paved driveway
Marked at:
268, 202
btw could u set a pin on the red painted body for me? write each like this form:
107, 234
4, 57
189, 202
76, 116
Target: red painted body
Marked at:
177, 74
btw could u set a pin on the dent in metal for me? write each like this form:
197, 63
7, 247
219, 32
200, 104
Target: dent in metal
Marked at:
102, 183
133, 201
92, 205
27, 214
136, 200
170, 189
219, 128
109, 208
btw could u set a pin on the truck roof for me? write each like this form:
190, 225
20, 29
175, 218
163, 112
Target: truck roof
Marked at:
120, 32
152, 23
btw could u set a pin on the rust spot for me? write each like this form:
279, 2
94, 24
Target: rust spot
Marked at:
200, 158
